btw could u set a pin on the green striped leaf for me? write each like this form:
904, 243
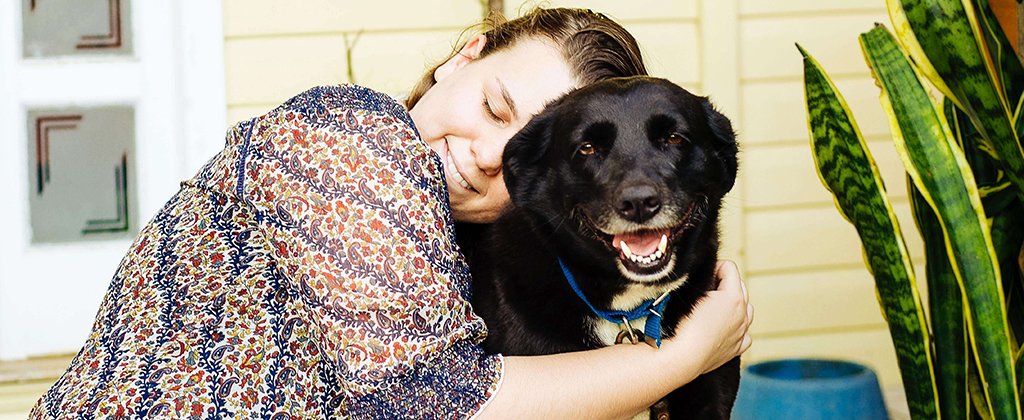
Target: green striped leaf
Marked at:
946, 307
948, 33
1004, 210
1019, 364
979, 404
1008, 68
1018, 117
982, 160
849, 172
1007, 236
939, 170
1000, 48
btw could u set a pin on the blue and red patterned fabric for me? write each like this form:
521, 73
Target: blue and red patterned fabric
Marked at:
309, 270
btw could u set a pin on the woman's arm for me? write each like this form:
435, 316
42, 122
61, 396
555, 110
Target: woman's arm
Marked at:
620, 381
353, 209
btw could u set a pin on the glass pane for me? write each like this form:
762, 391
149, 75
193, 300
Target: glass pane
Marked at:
76, 27
82, 173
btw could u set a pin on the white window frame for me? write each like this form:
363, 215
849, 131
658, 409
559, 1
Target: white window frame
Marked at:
49, 293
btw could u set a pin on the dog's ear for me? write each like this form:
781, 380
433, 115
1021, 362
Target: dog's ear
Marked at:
524, 153
724, 143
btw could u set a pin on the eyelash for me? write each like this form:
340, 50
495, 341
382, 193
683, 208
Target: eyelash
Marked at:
490, 113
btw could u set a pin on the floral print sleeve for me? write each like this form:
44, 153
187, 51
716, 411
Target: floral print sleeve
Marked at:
309, 270
354, 207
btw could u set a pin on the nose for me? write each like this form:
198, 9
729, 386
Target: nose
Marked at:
487, 152
638, 203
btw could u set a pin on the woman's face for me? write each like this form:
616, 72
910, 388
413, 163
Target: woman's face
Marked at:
477, 105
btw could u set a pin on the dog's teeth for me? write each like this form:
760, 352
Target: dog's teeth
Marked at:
626, 250
645, 259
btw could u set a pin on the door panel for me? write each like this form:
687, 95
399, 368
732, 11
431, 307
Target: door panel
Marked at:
105, 106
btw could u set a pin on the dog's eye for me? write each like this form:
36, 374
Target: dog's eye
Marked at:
586, 149
675, 139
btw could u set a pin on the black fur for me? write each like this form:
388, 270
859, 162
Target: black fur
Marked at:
561, 194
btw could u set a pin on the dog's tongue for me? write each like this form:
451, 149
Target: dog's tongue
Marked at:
640, 243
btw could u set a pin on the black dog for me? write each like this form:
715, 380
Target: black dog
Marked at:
616, 190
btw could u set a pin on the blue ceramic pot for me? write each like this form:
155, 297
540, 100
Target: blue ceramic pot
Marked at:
797, 389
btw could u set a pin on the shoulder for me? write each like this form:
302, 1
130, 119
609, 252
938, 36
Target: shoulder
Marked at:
337, 99
345, 128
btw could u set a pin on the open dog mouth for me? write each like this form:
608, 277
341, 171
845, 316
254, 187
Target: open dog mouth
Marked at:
644, 248
647, 252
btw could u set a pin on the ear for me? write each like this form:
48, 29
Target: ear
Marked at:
522, 160
724, 143
469, 52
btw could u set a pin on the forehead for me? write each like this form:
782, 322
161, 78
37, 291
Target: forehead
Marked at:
533, 71
634, 106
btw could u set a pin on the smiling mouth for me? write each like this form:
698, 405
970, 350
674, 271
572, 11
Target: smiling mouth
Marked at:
453, 169
647, 252
644, 247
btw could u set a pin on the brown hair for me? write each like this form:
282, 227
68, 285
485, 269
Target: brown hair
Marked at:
594, 46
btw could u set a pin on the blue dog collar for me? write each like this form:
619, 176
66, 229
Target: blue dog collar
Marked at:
651, 308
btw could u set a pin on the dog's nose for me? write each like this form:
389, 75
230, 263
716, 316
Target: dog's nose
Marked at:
639, 203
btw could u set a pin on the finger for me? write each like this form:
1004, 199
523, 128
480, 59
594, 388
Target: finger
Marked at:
746, 343
728, 275
725, 268
750, 317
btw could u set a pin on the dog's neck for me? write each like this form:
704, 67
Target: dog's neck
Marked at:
637, 293
651, 311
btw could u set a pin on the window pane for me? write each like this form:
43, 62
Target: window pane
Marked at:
82, 173
76, 27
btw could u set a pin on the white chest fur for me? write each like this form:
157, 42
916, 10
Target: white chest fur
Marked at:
606, 331
633, 296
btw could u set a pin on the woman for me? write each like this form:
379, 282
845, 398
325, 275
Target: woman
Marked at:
310, 269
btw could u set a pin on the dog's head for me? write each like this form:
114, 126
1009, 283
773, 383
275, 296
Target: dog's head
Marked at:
630, 171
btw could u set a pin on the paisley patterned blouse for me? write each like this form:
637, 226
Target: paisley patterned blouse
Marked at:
308, 271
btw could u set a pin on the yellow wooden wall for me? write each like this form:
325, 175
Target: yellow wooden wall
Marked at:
801, 260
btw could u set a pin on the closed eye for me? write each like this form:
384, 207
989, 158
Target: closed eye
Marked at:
489, 111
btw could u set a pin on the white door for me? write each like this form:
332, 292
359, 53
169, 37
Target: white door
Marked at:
105, 105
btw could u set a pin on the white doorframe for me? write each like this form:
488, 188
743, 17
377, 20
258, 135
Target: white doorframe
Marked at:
49, 293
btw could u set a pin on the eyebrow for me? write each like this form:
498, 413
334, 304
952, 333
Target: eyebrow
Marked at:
508, 98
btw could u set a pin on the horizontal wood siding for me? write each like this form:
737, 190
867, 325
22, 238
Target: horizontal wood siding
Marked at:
802, 261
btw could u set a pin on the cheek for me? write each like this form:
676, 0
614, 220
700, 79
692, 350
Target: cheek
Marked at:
436, 144
441, 115
497, 193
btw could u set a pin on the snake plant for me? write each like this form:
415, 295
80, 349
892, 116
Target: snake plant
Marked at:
963, 156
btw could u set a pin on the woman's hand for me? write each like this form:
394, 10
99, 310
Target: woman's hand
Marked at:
718, 328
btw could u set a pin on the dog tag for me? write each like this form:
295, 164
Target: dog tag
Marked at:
659, 410
632, 334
